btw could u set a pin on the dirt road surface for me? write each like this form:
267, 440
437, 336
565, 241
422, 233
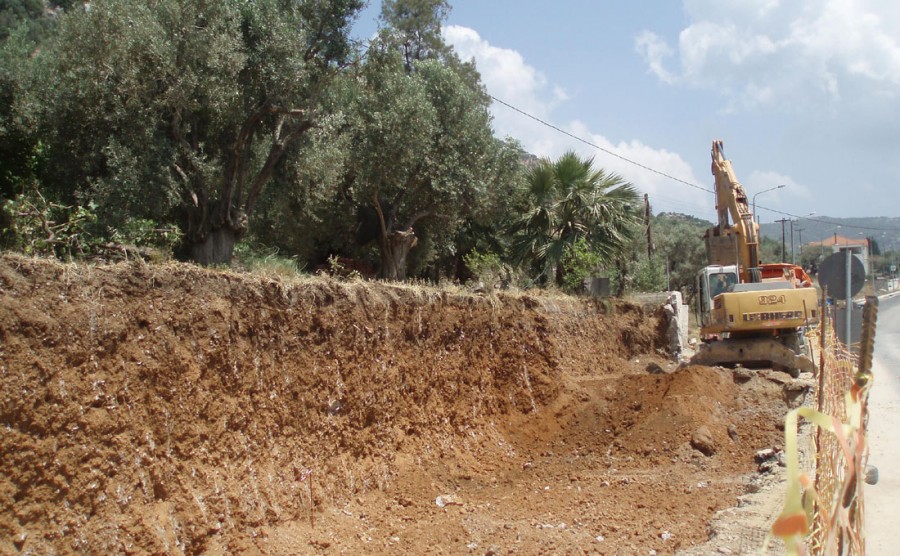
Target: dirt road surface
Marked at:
175, 410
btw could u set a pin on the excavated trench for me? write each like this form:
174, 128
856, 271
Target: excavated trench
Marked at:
167, 409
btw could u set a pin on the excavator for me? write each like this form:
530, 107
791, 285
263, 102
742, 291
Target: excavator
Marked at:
751, 314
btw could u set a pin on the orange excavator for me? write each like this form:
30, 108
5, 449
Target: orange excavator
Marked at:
750, 313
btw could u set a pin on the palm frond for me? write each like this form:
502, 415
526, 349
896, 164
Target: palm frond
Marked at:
572, 201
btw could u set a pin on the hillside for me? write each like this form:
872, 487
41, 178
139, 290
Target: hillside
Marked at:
175, 410
885, 230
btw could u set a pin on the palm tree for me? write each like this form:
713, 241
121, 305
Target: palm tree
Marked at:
571, 201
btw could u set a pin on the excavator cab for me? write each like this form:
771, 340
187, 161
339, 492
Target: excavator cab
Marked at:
711, 282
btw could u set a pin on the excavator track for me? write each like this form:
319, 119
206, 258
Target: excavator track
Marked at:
750, 352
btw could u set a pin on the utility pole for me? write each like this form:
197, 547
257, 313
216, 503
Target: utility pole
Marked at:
647, 213
793, 261
783, 239
800, 243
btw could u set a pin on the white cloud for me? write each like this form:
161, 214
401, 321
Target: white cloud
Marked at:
655, 51
664, 175
775, 53
504, 71
508, 76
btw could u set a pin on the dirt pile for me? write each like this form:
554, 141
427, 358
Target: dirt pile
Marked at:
175, 410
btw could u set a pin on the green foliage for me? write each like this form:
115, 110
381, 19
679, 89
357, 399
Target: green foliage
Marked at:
338, 269
770, 251
29, 15
649, 274
579, 263
420, 155
199, 115
813, 255
42, 228
266, 260
20, 150
485, 267
874, 246
415, 26
679, 249
305, 210
141, 232
502, 200
181, 111
569, 200
678, 254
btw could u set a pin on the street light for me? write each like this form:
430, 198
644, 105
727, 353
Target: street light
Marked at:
760, 193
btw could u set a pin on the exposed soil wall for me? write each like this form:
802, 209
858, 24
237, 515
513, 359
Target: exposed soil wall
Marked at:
175, 410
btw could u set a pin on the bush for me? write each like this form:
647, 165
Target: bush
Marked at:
43, 228
145, 233
485, 267
266, 260
39, 227
649, 274
579, 263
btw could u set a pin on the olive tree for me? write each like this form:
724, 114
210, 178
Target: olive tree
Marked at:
183, 110
420, 151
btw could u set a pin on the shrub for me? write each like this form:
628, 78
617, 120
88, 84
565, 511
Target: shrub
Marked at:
485, 267
44, 228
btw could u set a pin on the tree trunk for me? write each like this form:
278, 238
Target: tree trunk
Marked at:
622, 275
560, 275
215, 223
211, 230
216, 247
395, 249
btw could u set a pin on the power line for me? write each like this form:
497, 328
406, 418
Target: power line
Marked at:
598, 147
671, 177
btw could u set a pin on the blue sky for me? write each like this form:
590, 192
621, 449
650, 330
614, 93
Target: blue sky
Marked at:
804, 93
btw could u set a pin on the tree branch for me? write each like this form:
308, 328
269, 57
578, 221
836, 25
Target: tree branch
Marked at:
279, 146
418, 216
236, 169
382, 238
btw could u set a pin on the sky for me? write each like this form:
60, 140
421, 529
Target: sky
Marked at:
803, 93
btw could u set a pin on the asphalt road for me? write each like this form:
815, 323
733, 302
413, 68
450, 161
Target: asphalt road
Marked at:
882, 501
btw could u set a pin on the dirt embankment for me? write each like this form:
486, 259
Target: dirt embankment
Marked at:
174, 410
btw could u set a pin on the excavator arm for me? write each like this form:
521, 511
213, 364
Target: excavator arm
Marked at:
729, 243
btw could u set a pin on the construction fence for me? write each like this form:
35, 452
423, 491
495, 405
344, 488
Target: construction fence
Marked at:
824, 509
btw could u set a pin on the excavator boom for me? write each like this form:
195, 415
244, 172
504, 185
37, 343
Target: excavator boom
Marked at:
735, 238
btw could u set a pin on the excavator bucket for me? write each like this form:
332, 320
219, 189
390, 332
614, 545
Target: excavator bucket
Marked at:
754, 352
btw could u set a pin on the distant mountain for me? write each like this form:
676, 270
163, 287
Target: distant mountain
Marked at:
679, 217
884, 230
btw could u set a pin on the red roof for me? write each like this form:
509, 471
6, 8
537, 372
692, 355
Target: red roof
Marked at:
840, 240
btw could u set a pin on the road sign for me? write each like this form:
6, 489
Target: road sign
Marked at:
833, 275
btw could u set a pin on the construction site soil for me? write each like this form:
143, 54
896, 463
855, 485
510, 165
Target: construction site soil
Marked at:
169, 409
